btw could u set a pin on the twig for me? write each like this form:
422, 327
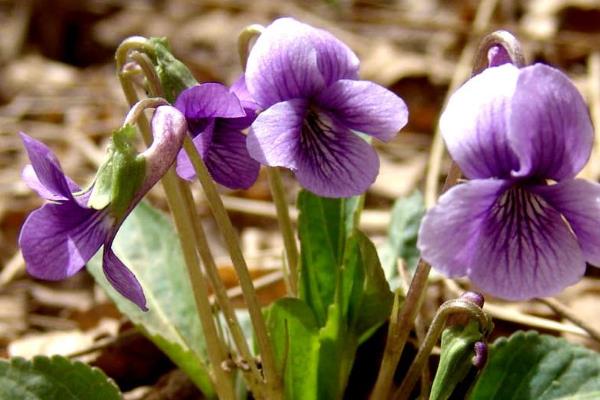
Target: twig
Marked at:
566, 313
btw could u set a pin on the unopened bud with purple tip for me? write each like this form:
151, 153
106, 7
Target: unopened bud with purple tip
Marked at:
481, 354
473, 297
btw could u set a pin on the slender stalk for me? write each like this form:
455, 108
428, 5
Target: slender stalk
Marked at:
254, 378
283, 215
565, 312
216, 350
245, 38
139, 108
146, 64
285, 225
232, 242
433, 334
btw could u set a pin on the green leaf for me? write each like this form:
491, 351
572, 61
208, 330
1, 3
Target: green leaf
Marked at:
324, 225
120, 176
402, 235
337, 350
295, 337
149, 247
55, 378
456, 358
366, 299
173, 74
530, 366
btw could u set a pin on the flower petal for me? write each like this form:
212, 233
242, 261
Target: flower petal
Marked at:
334, 162
208, 100
475, 124
525, 249
58, 239
228, 160
274, 137
294, 60
365, 107
202, 142
579, 202
550, 128
448, 235
251, 108
121, 278
47, 178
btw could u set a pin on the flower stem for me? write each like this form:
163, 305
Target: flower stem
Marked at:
138, 108
217, 353
245, 37
253, 376
232, 242
285, 225
433, 334
400, 324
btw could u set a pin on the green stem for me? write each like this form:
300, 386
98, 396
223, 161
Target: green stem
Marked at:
245, 37
217, 353
145, 63
400, 324
215, 203
254, 377
433, 334
285, 225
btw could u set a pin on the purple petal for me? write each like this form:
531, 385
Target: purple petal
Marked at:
228, 160
294, 60
248, 103
48, 178
579, 202
448, 235
58, 239
550, 127
335, 162
525, 249
240, 89
365, 107
121, 278
203, 141
274, 137
208, 100
475, 124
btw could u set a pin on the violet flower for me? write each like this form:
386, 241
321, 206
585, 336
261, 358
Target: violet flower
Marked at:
216, 118
306, 82
522, 227
59, 238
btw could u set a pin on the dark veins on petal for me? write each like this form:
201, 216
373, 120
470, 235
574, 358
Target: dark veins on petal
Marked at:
520, 217
318, 141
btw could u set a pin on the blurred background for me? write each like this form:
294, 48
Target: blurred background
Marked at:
58, 84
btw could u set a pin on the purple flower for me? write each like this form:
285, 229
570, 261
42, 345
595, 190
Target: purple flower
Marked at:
522, 227
305, 81
59, 238
216, 118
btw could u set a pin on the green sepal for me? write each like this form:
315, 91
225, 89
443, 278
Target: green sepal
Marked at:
121, 175
456, 358
173, 74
